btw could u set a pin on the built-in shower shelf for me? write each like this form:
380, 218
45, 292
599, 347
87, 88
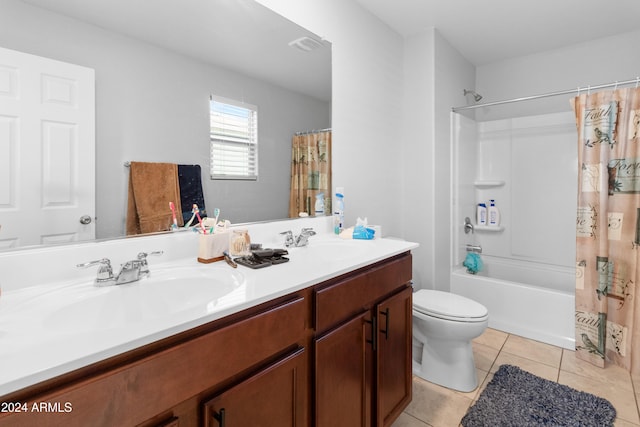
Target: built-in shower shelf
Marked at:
488, 183
488, 228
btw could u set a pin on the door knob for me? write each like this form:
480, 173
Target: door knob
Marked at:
85, 219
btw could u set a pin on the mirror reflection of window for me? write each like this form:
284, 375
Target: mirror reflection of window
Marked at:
234, 139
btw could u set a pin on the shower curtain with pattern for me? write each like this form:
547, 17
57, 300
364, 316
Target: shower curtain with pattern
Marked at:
607, 316
310, 172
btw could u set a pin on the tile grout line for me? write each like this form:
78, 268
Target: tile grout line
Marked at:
560, 365
418, 419
498, 355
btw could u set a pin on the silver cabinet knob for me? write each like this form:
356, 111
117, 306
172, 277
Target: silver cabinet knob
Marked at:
85, 219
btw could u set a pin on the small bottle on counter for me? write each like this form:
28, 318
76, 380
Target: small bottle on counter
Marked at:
338, 213
239, 243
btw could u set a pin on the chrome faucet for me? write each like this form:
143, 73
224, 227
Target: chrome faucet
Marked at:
105, 272
131, 271
468, 226
474, 248
144, 265
303, 237
301, 240
288, 238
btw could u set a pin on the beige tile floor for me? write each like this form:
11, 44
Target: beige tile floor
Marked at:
437, 406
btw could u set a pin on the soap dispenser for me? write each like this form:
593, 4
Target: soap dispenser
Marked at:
481, 214
494, 214
338, 213
319, 208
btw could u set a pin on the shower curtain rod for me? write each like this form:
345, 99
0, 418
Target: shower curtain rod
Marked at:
313, 131
547, 95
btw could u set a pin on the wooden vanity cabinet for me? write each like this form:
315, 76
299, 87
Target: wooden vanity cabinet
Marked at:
343, 371
393, 356
334, 354
156, 387
363, 346
274, 396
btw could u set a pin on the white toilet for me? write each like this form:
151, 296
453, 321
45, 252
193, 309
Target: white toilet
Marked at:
443, 326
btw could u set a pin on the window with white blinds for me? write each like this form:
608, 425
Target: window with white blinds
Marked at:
234, 139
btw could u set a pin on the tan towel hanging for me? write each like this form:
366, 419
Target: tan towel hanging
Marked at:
151, 187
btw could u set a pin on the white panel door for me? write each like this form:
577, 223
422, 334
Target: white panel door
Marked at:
47, 150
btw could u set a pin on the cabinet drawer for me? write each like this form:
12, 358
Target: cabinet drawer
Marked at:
351, 295
140, 390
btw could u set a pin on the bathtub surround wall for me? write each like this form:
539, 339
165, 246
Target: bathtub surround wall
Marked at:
534, 166
529, 166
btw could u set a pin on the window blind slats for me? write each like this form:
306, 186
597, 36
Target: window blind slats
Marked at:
234, 141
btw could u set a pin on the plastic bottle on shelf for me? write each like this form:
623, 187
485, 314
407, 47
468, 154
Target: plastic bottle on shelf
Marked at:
481, 214
494, 214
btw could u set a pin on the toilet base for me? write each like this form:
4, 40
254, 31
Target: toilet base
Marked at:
447, 363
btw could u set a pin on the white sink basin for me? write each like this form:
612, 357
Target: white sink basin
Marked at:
165, 295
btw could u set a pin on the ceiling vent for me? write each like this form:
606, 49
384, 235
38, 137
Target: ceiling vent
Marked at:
306, 44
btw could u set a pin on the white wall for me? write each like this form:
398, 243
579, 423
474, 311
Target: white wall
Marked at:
418, 176
595, 62
367, 85
139, 86
434, 77
453, 73
391, 100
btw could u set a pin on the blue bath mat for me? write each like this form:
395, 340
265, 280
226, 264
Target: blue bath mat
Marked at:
520, 399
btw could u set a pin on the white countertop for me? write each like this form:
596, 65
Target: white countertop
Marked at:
50, 329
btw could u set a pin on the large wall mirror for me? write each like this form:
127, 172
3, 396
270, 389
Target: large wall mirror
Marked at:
156, 65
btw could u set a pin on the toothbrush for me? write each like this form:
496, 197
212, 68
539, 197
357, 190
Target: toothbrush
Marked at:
197, 211
193, 215
174, 226
216, 213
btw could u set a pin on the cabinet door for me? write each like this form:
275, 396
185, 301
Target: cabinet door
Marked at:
394, 356
274, 397
343, 367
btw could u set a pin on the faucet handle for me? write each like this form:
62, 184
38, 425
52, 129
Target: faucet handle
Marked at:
143, 255
142, 259
288, 240
105, 272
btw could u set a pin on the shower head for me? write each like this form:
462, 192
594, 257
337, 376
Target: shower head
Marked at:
477, 97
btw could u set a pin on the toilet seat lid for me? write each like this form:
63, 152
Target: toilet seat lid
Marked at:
446, 305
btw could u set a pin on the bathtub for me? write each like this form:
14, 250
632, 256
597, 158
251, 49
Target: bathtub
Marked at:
532, 300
